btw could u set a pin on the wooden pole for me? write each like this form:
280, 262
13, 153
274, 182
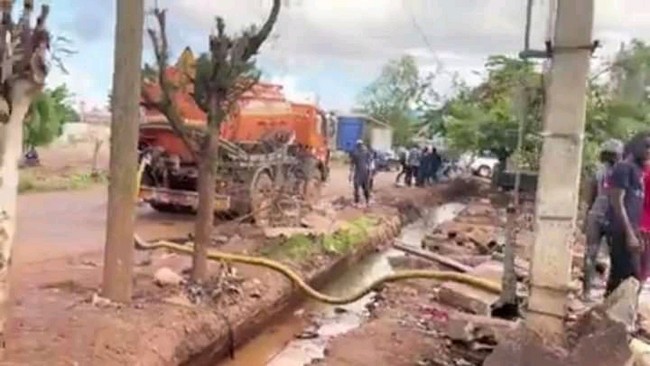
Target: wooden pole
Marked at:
119, 251
558, 191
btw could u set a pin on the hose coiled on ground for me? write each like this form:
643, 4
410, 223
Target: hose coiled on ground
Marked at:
312, 293
294, 277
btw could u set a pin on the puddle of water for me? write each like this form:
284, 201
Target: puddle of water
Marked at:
278, 345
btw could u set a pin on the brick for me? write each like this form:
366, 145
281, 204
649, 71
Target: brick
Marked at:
471, 299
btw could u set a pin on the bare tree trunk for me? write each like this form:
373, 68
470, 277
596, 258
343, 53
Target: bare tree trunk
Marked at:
204, 223
119, 251
94, 169
509, 280
11, 140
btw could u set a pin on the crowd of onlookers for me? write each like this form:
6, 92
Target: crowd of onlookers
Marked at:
419, 166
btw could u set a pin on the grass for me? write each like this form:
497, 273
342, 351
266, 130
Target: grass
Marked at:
36, 180
299, 247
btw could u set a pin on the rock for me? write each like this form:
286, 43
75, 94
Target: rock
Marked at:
99, 301
167, 277
622, 304
467, 328
320, 224
604, 344
473, 300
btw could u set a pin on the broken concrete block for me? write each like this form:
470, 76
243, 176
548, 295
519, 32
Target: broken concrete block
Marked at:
167, 277
622, 304
473, 300
605, 347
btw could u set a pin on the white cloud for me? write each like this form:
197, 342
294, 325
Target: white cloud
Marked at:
291, 90
364, 33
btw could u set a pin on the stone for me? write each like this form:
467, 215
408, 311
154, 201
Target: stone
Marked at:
99, 301
471, 299
622, 304
167, 277
467, 328
320, 224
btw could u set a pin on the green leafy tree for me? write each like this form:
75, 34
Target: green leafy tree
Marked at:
395, 95
49, 111
485, 118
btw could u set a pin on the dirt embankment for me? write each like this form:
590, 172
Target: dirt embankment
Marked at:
64, 323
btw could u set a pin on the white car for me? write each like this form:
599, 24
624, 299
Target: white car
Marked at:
481, 165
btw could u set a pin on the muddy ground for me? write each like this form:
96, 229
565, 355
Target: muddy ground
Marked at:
57, 318
408, 324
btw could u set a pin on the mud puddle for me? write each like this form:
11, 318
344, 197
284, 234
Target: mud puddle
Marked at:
298, 338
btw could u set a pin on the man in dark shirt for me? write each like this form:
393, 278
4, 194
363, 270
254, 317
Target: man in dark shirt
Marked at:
624, 214
361, 171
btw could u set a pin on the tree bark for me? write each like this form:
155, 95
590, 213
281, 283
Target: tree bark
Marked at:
11, 138
204, 223
119, 251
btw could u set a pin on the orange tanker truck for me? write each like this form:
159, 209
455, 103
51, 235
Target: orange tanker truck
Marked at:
270, 149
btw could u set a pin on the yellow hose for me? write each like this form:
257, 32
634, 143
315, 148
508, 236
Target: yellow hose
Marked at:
289, 273
473, 281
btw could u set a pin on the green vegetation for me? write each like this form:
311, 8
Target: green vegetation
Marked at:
35, 180
300, 247
485, 117
49, 111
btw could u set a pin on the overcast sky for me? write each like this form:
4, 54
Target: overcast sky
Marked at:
335, 47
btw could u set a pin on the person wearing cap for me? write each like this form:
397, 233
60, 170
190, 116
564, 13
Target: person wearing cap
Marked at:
611, 152
361, 171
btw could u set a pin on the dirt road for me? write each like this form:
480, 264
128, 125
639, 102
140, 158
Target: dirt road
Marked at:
61, 224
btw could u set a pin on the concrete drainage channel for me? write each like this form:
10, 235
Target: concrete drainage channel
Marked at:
299, 338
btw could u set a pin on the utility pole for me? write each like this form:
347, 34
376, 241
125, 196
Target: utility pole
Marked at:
119, 250
558, 190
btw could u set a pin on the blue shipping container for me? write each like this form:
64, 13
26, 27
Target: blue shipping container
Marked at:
349, 130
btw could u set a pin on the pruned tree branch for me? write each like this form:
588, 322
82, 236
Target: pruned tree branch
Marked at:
256, 41
165, 105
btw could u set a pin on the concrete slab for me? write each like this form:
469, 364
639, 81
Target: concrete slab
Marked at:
468, 298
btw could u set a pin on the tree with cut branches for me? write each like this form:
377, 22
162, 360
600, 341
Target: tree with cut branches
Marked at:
23, 68
232, 72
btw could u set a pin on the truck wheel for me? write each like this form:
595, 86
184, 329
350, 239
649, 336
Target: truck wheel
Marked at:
262, 197
484, 171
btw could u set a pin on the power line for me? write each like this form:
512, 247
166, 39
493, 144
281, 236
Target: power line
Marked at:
439, 65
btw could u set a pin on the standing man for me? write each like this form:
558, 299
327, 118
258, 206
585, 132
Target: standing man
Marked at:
611, 152
403, 173
626, 206
425, 167
413, 165
436, 163
361, 172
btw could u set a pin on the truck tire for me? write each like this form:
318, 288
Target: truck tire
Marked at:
170, 208
484, 171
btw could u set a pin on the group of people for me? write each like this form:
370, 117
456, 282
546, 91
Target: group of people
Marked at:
419, 166
619, 211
